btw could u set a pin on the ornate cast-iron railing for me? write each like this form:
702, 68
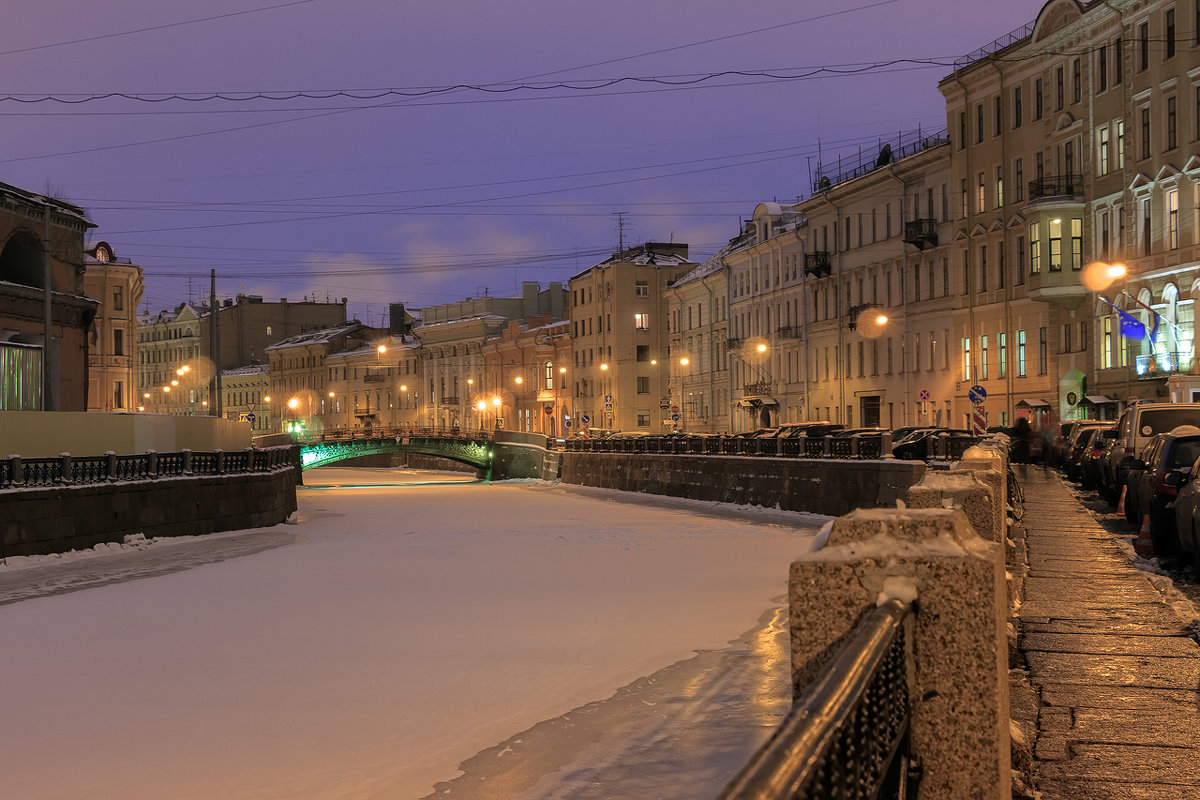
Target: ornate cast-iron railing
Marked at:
847, 735
1056, 186
68, 470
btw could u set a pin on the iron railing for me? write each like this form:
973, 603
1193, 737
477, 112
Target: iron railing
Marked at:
847, 735
883, 152
1056, 186
859, 446
68, 470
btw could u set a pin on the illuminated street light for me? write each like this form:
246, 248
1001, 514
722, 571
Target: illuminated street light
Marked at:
762, 347
294, 403
174, 383
562, 370
496, 402
518, 379
684, 361
604, 366
331, 394
381, 349
481, 405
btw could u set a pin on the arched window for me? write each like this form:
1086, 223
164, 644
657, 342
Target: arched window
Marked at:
548, 372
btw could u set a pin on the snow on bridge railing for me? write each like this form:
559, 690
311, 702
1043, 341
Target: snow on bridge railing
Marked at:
17, 472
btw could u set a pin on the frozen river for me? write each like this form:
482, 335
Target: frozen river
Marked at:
411, 635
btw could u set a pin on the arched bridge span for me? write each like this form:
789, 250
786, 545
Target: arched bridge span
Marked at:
473, 448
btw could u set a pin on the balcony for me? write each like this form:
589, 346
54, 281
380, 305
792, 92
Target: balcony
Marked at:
450, 401
817, 264
756, 389
921, 233
1056, 186
734, 344
790, 332
1161, 365
374, 377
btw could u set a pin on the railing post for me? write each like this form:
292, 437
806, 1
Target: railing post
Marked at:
828, 445
219, 469
187, 461
854, 445
249, 459
151, 464
16, 472
802, 445
64, 468
112, 465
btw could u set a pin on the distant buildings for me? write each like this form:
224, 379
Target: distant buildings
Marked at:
112, 348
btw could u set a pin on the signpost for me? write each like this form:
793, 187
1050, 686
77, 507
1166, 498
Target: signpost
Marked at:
549, 409
977, 394
924, 396
978, 421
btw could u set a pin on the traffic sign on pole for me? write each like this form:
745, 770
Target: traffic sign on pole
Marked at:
978, 421
977, 394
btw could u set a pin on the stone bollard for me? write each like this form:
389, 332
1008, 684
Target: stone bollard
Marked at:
64, 468
249, 459
885, 444
111, 466
152, 464
958, 689
963, 490
16, 472
187, 461
828, 445
991, 472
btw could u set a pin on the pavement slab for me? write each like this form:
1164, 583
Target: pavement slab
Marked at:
1115, 671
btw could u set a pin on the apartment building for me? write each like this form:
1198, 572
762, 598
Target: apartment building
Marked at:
1075, 149
116, 283
453, 336
879, 291
373, 382
620, 336
526, 378
766, 346
246, 390
698, 397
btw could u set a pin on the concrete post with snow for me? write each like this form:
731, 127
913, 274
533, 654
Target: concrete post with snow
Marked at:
959, 685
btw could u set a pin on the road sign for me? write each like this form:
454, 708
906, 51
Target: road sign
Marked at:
549, 408
566, 423
247, 418
664, 404
977, 394
608, 398
608, 407
978, 421
674, 409
584, 419
924, 395
675, 417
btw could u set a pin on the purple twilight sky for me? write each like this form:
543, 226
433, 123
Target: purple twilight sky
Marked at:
353, 179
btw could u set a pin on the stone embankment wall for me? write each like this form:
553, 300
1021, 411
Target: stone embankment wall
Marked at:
820, 486
36, 521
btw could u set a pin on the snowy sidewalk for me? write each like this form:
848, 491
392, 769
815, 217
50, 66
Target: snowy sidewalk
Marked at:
1115, 671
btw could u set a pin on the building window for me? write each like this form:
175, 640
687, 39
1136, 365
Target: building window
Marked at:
641, 322
1020, 261
1000, 187
963, 187
1058, 89
1066, 341
1076, 243
1172, 198
1042, 361
1037, 99
1003, 365
1146, 241
1144, 40
1106, 344
641, 289
1119, 61
548, 375
1102, 69
1055, 230
118, 342
983, 358
1020, 354
966, 373
643, 352
979, 123
981, 195
998, 118
643, 384
1019, 178
983, 269
1076, 81
1017, 107
1035, 248
1172, 123
1169, 32
962, 129
118, 298
1104, 235
643, 418
1103, 150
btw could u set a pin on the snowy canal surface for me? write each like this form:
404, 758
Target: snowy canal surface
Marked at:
549, 640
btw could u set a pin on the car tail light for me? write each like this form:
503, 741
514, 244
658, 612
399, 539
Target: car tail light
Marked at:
1162, 487
1129, 451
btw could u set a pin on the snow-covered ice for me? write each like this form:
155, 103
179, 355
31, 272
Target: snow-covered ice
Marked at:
395, 633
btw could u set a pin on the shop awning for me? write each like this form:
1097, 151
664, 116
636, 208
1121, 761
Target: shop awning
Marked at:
1036, 403
1096, 400
755, 401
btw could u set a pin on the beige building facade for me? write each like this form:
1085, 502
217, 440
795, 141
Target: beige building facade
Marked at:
1075, 148
620, 337
112, 355
698, 398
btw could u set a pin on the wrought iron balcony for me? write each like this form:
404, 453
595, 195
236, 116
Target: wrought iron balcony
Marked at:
374, 377
734, 344
790, 332
756, 389
921, 233
817, 263
1161, 365
1056, 186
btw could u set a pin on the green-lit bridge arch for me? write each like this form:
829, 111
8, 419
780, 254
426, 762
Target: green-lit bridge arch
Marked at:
475, 450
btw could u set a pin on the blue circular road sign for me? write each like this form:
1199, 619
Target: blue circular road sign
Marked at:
977, 394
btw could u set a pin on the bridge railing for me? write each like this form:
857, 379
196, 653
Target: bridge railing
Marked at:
69, 470
857, 446
846, 737
357, 434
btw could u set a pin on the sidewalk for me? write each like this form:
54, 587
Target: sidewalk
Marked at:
1114, 671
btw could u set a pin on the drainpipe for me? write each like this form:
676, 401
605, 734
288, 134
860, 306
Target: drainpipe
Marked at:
967, 271
711, 361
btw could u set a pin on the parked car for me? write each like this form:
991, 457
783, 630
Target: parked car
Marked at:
1154, 481
1080, 442
921, 445
1187, 516
1136, 425
1060, 449
1089, 469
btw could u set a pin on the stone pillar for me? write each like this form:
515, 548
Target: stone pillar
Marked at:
151, 464
64, 468
945, 489
16, 471
112, 465
959, 684
187, 461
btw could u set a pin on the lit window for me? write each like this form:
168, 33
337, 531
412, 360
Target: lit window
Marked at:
641, 322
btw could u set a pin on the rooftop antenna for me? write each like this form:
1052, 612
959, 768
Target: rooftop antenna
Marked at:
620, 215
